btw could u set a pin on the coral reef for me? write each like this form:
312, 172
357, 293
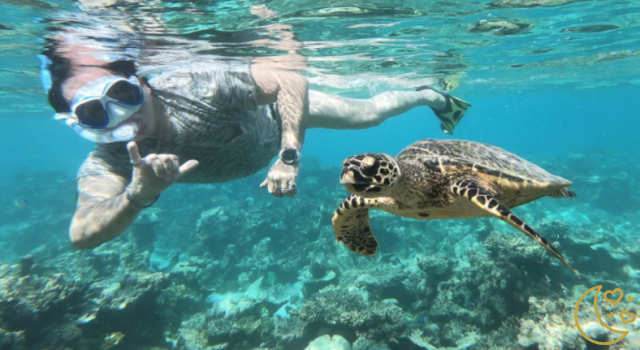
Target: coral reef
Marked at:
327, 342
350, 310
237, 270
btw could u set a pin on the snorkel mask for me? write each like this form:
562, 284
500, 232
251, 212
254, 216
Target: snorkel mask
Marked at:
102, 104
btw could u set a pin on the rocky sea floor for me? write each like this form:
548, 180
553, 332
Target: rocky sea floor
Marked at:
228, 266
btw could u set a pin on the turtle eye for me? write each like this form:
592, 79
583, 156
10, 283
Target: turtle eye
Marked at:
360, 188
359, 178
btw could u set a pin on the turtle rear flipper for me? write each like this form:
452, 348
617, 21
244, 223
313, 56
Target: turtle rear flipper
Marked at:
452, 112
351, 225
563, 193
469, 189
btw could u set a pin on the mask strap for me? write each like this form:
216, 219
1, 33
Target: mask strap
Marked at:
62, 116
45, 74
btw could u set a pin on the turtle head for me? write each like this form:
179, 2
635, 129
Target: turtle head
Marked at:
369, 174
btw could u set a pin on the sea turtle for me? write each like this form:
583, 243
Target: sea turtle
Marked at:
441, 179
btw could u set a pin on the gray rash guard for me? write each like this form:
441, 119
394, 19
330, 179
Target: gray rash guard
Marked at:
218, 122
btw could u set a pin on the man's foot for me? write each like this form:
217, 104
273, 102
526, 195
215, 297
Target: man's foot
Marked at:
452, 113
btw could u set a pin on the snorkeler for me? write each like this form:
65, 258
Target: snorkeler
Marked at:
197, 121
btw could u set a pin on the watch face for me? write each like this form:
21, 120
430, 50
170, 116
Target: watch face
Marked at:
289, 155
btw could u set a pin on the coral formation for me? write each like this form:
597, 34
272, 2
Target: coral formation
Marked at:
239, 271
350, 310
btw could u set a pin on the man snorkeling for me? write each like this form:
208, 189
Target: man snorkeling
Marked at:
199, 120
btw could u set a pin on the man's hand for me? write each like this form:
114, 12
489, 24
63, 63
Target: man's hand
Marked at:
281, 179
154, 173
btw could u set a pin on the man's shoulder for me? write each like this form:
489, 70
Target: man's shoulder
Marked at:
202, 66
218, 84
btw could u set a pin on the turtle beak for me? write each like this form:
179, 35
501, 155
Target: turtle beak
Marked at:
348, 177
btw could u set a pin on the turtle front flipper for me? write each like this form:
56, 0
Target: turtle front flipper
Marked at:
470, 190
351, 225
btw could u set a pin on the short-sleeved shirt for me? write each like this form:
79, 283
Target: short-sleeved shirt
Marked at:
218, 122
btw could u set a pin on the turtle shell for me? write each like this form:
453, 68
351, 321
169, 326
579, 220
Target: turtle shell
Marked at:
491, 163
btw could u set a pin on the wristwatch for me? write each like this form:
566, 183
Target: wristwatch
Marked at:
136, 205
289, 155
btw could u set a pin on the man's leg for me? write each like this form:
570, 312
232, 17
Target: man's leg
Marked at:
335, 112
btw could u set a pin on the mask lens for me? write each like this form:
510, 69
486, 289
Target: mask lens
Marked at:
125, 92
92, 113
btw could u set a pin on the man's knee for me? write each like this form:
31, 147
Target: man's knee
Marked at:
369, 120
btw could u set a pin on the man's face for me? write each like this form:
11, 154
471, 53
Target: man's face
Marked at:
144, 117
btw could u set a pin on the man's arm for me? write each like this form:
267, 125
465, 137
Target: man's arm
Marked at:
278, 79
293, 106
291, 91
109, 202
103, 211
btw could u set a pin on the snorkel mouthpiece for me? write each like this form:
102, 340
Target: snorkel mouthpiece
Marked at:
123, 133
126, 132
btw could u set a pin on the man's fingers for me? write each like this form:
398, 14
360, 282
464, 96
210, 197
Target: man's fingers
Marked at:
187, 167
290, 190
274, 189
171, 165
276, 192
157, 165
280, 187
134, 154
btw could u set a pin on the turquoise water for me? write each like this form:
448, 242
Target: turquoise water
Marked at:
553, 81
571, 75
